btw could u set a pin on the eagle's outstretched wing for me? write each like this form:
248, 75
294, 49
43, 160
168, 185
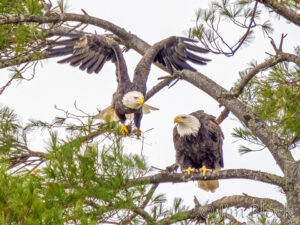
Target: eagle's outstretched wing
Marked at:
88, 52
171, 52
177, 51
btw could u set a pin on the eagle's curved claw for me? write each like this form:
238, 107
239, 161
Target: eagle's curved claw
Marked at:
189, 170
124, 129
203, 169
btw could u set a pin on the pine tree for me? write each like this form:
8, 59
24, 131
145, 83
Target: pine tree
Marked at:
85, 177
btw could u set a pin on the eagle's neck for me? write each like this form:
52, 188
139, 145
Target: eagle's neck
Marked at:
189, 127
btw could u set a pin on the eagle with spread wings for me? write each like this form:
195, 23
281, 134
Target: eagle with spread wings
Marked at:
90, 52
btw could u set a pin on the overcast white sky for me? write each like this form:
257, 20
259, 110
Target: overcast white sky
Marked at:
153, 21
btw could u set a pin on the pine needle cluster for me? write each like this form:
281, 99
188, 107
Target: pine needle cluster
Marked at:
275, 97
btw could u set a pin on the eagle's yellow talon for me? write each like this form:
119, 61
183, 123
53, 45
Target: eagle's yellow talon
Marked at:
138, 132
189, 170
203, 169
124, 129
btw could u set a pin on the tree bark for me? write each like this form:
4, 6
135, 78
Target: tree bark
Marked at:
282, 10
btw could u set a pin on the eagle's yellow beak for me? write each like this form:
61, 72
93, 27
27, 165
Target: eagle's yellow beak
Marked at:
141, 101
178, 119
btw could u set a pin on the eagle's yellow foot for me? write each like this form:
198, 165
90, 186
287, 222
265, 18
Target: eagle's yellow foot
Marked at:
189, 170
124, 129
203, 169
138, 133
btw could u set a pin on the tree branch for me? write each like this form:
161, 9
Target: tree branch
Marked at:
238, 88
144, 215
287, 13
165, 177
142, 206
158, 87
238, 201
232, 219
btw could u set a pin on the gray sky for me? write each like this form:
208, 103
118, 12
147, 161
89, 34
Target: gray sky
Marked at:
63, 85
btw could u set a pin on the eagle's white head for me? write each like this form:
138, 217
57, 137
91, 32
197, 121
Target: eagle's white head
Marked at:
187, 125
133, 99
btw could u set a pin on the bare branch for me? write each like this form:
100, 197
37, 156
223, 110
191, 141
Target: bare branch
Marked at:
159, 86
2, 89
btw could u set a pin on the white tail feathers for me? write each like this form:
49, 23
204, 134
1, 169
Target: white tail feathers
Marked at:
208, 185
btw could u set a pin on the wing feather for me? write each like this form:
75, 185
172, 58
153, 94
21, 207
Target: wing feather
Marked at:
196, 59
179, 51
68, 49
88, 52
195, 48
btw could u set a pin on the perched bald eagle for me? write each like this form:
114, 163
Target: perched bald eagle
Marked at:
198, 142
90, 52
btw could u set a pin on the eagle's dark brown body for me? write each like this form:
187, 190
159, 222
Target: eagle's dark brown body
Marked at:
204, 149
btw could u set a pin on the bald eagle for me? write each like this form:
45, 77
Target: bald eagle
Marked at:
198, 142
90, 52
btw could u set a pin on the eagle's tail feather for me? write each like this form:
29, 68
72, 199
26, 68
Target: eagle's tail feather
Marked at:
208, 185
107, 114
148, 108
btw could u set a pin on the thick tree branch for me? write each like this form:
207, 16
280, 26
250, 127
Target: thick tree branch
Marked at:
239, 201
290, 58
280, 9
215, 175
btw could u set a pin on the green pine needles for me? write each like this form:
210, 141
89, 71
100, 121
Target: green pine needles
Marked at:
75, 180
275, 98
